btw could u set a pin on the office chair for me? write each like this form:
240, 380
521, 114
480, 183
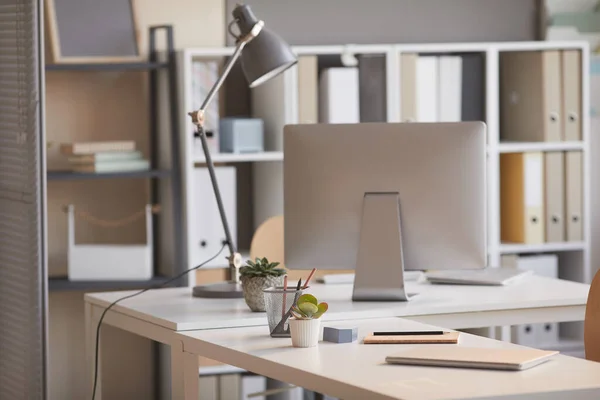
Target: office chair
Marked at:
268, 242
592, 321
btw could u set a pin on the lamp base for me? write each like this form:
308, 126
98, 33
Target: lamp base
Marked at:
223, 290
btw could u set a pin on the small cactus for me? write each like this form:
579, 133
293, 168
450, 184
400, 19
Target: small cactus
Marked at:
308, 307
261, 267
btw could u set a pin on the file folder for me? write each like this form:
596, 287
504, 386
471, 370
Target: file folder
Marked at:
372, 88
574, 195
522, 198
427, 89
450, 89
207, 234
338, 96
408, 87
571, 89
308, 101
531, 96
473, 87
554, 190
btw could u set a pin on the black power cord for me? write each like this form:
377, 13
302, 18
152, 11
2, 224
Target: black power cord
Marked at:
133, 295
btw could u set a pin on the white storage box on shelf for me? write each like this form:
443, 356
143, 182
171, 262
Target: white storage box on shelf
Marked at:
95, 262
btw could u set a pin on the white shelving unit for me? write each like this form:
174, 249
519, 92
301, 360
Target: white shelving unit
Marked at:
277, 104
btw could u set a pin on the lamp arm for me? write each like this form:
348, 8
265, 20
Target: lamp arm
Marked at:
198, 116
226, 70
235, 258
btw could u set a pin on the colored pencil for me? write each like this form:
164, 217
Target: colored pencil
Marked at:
309, 278
284, 296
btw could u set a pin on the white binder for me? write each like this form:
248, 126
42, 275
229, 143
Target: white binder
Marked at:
450, 89
427, 89
207, 229
339, 96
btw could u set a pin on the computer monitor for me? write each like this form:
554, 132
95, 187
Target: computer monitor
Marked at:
383, 197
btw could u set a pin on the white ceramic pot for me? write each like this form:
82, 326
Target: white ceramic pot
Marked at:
305, 332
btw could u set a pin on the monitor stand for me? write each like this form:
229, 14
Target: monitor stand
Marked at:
379, 274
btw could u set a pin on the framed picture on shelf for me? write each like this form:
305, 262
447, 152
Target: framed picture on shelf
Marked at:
88, 31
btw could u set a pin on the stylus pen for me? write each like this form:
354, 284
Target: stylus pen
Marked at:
408, 333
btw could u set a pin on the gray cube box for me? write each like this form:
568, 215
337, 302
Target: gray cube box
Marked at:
241, 135
340, 335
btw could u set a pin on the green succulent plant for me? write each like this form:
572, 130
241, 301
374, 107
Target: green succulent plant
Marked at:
308, 307
261, 267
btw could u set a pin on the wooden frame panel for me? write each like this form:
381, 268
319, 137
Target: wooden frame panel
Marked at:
53, 45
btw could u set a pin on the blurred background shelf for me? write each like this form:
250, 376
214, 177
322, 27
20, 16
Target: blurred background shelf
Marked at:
63, 284
71, 176
134, 66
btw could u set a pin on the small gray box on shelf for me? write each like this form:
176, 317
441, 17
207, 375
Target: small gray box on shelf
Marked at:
241, 135
340, 335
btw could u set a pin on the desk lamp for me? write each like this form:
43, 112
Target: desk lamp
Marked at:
264, 56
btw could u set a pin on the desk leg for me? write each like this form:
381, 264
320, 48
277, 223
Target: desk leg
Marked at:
503, 333
91, 324
177, 371
191, 376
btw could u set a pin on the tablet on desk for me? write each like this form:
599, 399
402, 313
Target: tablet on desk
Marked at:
472, 357
483, 277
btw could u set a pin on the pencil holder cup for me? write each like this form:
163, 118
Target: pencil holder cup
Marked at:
278, 305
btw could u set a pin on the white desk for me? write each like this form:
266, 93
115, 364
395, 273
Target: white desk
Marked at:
159, 314
358, 371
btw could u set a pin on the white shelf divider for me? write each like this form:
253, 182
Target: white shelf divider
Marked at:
242, 157
517, 248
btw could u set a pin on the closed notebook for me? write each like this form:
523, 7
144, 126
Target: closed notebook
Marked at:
513, 359
531, 96
522, 198
106, 156
96, 147
445, 338
113, 166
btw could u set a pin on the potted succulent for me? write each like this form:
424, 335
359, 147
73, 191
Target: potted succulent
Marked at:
258, 275
305, 326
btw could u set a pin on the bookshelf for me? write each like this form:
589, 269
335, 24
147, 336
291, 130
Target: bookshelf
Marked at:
164, 174
277, 104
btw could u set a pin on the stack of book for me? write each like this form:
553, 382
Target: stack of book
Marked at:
99, 157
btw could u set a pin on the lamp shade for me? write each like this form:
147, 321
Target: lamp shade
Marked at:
265, 56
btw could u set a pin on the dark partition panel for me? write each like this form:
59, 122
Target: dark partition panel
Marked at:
22, 204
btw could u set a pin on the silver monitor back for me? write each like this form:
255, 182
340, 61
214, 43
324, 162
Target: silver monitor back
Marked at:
437, 171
